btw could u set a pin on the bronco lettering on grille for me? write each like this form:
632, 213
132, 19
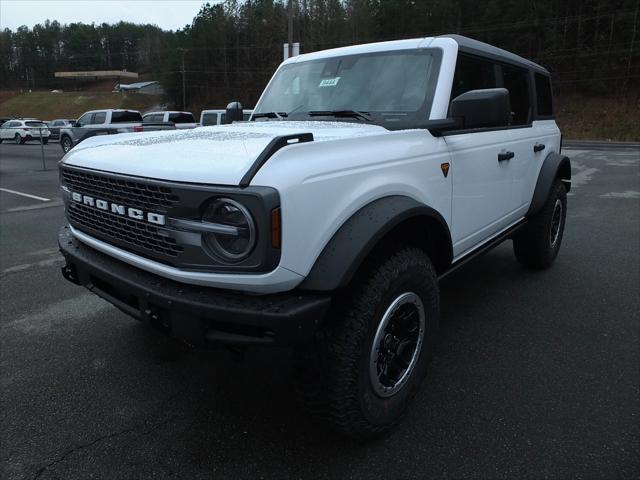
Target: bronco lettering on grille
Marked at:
134, 213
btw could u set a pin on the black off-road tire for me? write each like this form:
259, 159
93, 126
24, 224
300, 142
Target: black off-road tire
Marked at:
18, 139
538, 243
45, 141
332, 373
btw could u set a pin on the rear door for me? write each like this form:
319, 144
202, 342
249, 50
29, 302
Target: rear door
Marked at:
482, 203
534, 141
526, 162
97, 121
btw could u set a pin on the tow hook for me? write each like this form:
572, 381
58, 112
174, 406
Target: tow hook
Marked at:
157, 319
69, 272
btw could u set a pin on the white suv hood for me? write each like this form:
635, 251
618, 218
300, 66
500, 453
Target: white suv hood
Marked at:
218, 155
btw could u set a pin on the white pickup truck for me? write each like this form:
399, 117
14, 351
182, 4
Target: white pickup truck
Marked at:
182, 120
219, 117
366, 175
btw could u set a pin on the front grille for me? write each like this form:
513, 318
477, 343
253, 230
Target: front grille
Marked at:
125, 229
129, 192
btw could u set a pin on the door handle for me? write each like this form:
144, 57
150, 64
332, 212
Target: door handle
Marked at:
505, 156
538, 147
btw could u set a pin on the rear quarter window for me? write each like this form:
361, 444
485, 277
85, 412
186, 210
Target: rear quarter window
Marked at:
543, 95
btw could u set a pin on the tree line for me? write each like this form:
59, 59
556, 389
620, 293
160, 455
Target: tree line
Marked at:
231, 48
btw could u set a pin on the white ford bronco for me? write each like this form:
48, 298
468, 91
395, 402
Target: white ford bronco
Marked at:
365, 175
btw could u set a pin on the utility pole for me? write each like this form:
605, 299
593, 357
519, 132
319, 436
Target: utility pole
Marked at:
290, 28
184, 89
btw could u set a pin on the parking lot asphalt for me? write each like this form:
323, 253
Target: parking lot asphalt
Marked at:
535, 375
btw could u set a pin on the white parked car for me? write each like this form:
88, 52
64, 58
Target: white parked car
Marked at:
182, 120
370, 173
219, 117
21, 131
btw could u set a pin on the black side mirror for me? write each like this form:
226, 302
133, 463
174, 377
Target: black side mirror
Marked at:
234, 112
489, 107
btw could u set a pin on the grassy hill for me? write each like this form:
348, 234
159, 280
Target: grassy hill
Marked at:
47, 106
582, 117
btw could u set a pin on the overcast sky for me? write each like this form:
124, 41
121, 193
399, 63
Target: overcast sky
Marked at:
167, 14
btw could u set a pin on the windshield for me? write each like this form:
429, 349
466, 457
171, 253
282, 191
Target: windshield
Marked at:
394, 88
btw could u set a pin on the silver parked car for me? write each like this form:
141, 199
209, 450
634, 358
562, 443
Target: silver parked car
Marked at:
56, 125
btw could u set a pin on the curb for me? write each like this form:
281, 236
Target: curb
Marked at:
600, 145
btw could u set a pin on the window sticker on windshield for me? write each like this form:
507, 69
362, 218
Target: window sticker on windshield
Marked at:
329, 82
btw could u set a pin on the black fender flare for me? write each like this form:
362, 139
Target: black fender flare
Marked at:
355, 239
554, 166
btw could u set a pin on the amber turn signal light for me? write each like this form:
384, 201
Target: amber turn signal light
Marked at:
276, 234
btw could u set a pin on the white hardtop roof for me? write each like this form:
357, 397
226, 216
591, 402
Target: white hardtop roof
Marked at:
363, 48
464, 43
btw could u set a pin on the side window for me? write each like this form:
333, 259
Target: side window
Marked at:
543, 94
223, 119
516, 80
85, 119
209, 119
246, 116
473, 74
99, 118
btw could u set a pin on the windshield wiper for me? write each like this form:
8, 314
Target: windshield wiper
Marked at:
278, 115
341, 113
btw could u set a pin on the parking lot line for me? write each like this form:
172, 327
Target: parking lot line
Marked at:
42, 199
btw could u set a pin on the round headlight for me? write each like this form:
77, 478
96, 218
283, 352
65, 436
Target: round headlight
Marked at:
236, 242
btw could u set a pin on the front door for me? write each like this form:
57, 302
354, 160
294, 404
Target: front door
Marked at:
482, 171
482, 202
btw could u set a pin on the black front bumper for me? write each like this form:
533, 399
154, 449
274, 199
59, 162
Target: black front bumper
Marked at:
199, 315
